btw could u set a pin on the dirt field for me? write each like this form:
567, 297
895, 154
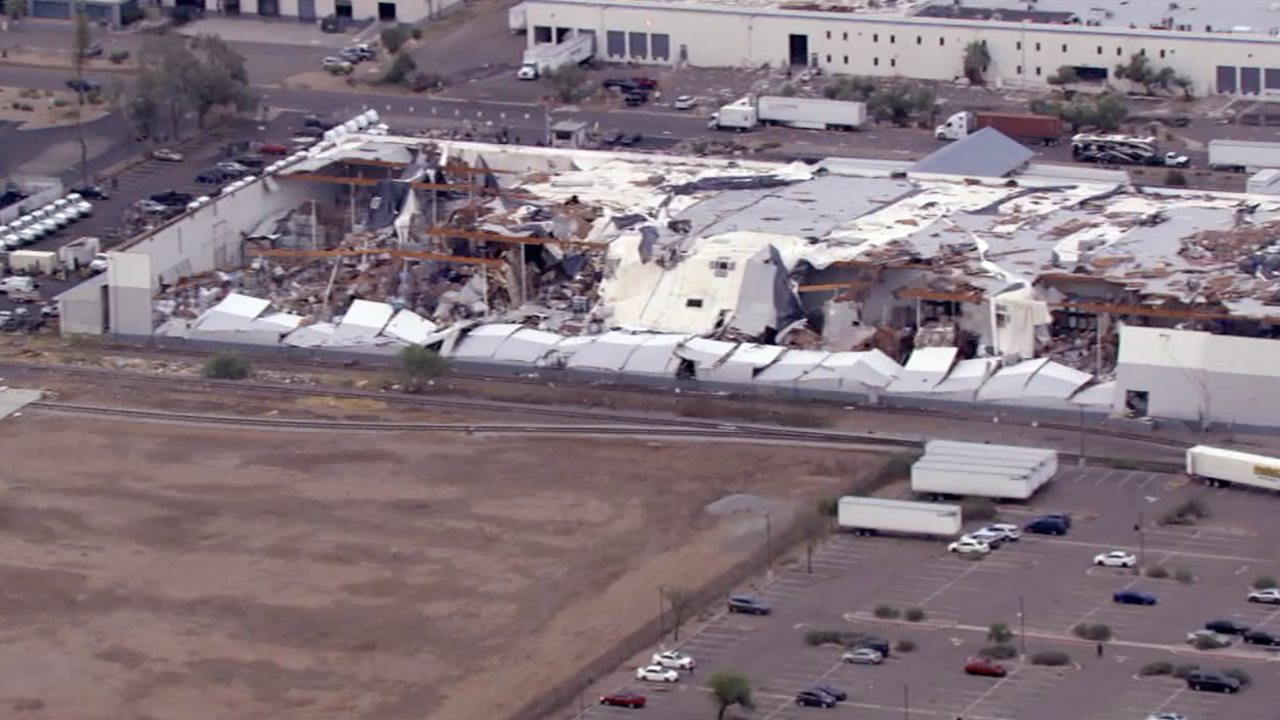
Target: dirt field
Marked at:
155, 571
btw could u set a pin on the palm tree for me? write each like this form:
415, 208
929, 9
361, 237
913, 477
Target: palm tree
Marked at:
976, 60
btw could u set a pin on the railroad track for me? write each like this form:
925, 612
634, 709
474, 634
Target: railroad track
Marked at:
723, 432
427, 401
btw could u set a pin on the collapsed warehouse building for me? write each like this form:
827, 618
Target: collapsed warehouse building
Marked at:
834, 275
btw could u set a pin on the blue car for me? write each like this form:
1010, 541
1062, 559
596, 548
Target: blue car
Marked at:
1133, 597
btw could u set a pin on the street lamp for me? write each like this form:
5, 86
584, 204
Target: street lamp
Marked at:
1022, 623
906, 702
662, 616
1142, 537
768, 542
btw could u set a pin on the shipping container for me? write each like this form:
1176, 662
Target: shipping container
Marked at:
872, 516
1221, 468
1043, 129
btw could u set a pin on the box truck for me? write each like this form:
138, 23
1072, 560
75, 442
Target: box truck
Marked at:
1243, 155
874, 516
803, 113
1221, 468
1042, 129
542, 59
518, 19
1002, 472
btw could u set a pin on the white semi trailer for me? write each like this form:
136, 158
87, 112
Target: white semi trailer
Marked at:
796, 112
540, 60
1002, 472
873, 516
1243, 155
1220, 468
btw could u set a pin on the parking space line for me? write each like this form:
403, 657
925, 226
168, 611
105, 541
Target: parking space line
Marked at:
967, 571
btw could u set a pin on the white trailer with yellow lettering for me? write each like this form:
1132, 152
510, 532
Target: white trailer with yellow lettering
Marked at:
1220, 468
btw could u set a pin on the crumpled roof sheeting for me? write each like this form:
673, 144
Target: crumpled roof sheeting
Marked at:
925, 370
1057, 381
311, 336
1010, 382
705, 354
967, 376
1100, 395
609, 352
742, 364
656, 356
409, 327
852, 371
362, 324
793, 365
527, 346
565, 350
483, 342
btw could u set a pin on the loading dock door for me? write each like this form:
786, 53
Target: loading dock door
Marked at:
59, 9
798, 49
1227, 79
307, 10
1251, 80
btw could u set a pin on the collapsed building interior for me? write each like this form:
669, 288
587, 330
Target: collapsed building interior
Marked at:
455, 241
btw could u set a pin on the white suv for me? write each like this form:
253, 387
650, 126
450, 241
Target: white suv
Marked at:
968, 545
1270, 596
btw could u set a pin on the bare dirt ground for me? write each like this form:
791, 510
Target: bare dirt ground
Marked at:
40, 109
160, 571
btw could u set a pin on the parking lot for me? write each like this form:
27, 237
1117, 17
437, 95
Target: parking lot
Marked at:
1051, 581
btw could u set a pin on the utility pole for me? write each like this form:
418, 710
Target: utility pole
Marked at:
906, 702
662, 616
1142, 537
1081, 460
1022, 623
768, 543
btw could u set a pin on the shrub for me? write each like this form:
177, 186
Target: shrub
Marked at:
401, 69
118, 57
1097, 632
228, 366
1153, 669
1184, 576
829, 507
999, 652
905, 646
1175, 178
1238, 674
999, 633
394, 38
978, 509
915, 615
821, 637
1051, 658
1158, 572
887, 612
1186, 514
1206, 642
1264, 582
61, 103
416, 33
1182, 671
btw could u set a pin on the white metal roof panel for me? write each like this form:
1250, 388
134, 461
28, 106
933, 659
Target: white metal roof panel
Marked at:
482, 342
566, 349
1054, 380
1100, 395
925, 370
875, 369
410, 327
656, 356
279, 322
1009, 382
234, 312
742, 365
362, 324
792, 366
958, 446
526, 345
311, 335
706, 354
609, 351
967, 376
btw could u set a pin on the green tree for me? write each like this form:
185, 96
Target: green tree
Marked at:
1185, 84
730, 687
81, 39
394, 38
15, 9
220, 78
999, 633
569, 82
897, 104
680, 601
401, 70
1064, 75
1109, 111
419, 363
850, 87
228, 366
977, 58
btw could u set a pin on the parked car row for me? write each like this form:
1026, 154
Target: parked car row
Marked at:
665, 667
344, 62
33, 226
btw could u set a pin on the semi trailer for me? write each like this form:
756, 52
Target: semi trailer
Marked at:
1243, 155
803, 113
1003, 472
540, 60
873, 516
1041, 129
1222, 468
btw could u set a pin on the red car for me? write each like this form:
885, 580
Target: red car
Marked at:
273, 149
645, 83
985, 667
626, 699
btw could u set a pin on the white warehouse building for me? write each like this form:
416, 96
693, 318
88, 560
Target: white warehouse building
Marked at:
1224, 47
405, 11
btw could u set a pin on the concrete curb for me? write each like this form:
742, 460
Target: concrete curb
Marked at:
115, 69
924, 625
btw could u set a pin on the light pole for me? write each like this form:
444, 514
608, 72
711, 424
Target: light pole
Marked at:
1022, 623
662, 616
906, 702
1081, 460
768, 542
1142, 537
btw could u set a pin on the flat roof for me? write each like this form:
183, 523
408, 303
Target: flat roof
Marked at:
1239, 16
